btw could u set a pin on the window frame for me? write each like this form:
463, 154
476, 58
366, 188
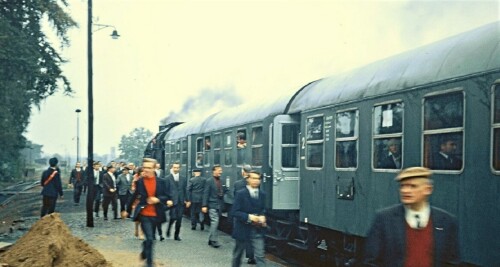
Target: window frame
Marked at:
184, 152
207, 151
387, 136
297, 145
424, 132
214, 148
345, 139
314, 142
256, 146
238, 130
230, 147
201, 146
493, 127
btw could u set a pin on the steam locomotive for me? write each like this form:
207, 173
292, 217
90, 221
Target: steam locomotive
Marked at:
322, 149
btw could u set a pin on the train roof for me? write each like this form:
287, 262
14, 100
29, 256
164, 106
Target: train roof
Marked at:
473, 52
192, 127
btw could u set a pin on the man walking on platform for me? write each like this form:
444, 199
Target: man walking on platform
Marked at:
195, 188
124, 185
213, 194
249, 220
96, 172
77, 179
178, 185
52, 186
109, 192
153, 195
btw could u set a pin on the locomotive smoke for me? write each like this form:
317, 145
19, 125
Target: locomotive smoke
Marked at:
207, 102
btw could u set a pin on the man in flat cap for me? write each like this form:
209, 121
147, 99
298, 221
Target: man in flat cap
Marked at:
124, 185
195, 187
52, 187
413, 233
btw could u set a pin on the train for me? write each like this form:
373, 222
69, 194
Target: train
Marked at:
322, 149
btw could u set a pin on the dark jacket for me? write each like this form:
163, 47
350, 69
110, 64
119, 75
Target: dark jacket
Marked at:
77, 178
238, 185
386, 241
244, 205
211, 197
54, 187
178, 189
162, 192
107, 184
99, 178
195, 188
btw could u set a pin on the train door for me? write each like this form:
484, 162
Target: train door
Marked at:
285, 162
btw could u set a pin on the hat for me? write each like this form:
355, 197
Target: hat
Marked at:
125, 168
196, 170
413, 172
110, 166
53, 162
247, 168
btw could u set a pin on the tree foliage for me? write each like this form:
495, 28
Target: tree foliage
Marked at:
132, 146
29, 66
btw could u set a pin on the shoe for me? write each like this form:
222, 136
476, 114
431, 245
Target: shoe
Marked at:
193, 227
116, 218
168, 234
97, 215
162, 238
202, 227
142, 256
177, 238
213, 244
76, 204
105, 218
251, 261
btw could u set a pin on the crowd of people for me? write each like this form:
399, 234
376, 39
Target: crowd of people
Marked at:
412, 233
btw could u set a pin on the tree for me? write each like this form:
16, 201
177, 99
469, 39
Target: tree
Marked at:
132, 146
29, 66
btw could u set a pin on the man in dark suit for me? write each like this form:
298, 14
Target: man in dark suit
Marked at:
392, 158
413, 233
249, 220
195, 188
77, 179
237, 186
154, 196
178, 185
213, 194
97, 178
52, 187
446, 159
109, 192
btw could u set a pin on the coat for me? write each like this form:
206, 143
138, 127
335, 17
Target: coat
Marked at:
54, 187
178, 189
123, 185
211, 199
140, 193
107, 184
244, 205
195, 188
386, 241
73, 178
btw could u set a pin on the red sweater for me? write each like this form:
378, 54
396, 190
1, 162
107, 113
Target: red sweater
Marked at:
419, 246
150, 184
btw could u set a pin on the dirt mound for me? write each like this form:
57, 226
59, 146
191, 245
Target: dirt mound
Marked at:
50, 243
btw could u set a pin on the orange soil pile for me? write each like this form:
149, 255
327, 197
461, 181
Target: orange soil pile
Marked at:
50, 243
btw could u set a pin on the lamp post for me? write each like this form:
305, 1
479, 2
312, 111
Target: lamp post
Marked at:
90, 147
78, 134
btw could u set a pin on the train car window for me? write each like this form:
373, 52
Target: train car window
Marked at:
184, 156
241, 145
217, 148
257, 144
206, 152
167, 153
346, 139
228, 161
178, 151
443, 131
172, 152
314, 142
199, 152
496, 128
387, 135
290, 146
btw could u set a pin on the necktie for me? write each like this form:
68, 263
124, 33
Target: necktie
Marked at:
255, 194
417, 218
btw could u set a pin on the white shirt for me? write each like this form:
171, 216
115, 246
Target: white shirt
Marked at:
254, 192
175, 175
96, 175
112, 178
420, 218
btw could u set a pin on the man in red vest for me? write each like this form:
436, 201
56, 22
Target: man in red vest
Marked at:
413, 233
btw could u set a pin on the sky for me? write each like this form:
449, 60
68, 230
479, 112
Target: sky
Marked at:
183, 59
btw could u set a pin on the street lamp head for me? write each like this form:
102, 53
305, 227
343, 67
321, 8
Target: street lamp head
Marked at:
78, 110
115, 34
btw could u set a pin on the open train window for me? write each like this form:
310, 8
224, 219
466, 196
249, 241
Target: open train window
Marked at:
443, 131
257, 144
199, 152
217, 148
387, 135
314, 141
228, 160
496, 128
346, 139
241, 145
206, 153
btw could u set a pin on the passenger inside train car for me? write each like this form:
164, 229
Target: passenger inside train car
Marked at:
390, 158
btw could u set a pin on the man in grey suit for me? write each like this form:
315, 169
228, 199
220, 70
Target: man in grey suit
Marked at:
413, 233
212, 203
124, 184
178, 185
195, 188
